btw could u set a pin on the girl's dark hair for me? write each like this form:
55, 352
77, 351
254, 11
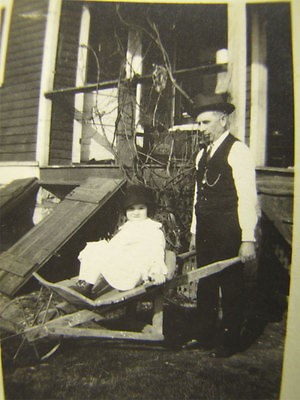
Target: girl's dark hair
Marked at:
138, 194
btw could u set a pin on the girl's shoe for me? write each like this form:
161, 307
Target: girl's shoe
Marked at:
83, 287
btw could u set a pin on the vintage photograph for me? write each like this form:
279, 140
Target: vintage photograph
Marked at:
147, 162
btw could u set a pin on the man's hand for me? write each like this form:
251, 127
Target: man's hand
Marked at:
247, 252
193, 242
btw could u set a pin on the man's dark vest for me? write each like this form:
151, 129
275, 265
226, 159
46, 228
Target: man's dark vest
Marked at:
215, 185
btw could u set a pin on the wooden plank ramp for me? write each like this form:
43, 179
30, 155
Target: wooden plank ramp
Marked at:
36, 247
15, 194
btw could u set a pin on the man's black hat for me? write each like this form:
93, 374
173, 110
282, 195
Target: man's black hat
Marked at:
215, 102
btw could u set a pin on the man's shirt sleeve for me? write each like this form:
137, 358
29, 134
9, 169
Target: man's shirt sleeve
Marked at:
193, 224
243, 170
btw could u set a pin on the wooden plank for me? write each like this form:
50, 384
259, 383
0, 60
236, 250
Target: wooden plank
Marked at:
20, 112
275, 185
52, 328
60, 157
26, 69
26, 8
70, 320
17, 37
16, 104
21, 22
17, 157
16, 139
69, 46
89, 194
106, 334
22, 52
23, 67
14, 189
64, 290
115, 297
157, 320
35, 247
20, 121
279, 210
30, 6
59, 143
62, 127
27, 26
19, 130
16, 265
65, 210
64, 136
44, 240
111, 298
14, 90
28, 77
17, 148
64, 75
202, 272
13, 194
77, 174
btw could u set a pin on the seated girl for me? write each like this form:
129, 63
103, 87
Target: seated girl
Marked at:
136, 253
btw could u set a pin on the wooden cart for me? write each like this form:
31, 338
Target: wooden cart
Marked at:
77, 316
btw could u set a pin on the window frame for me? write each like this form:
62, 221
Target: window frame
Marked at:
5, 20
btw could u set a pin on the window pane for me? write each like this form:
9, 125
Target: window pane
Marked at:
107, 45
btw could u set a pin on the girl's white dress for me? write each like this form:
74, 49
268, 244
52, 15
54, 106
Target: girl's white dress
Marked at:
134, 254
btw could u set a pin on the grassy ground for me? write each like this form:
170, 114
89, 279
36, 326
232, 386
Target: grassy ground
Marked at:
94, 369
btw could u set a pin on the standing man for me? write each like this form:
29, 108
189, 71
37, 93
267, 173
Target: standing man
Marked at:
223, 225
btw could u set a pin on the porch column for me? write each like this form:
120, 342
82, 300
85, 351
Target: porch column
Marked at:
47, 79
237, 65
259, 83
290, 384
129, 97
80, 81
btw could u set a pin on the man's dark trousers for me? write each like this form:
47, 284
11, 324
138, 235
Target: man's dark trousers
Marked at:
218, 237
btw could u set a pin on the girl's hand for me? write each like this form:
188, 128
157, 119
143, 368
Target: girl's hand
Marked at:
157, 279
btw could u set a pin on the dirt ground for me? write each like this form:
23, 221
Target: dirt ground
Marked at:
107, 369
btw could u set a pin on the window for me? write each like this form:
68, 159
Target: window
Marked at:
107, 45
152, 40
5, 16
183, 39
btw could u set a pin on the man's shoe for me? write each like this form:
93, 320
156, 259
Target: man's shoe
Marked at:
222, 352
83, 288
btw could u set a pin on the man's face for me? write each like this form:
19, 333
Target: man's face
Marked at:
212, 124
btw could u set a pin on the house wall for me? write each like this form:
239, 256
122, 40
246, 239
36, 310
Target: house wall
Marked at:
19, 94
